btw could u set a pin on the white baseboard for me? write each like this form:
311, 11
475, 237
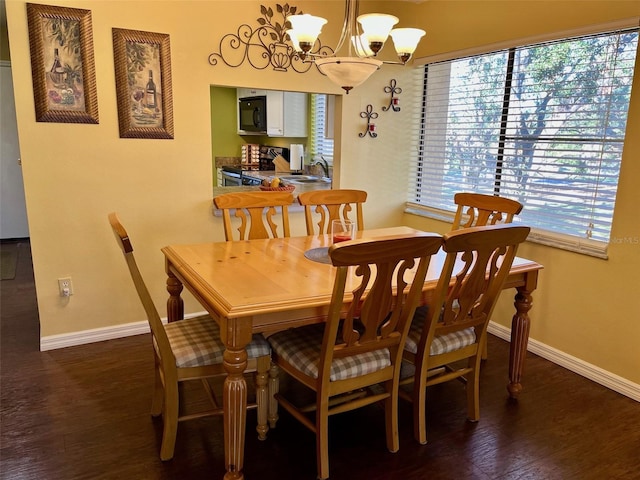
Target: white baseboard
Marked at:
53, 342
596, 374
587, 370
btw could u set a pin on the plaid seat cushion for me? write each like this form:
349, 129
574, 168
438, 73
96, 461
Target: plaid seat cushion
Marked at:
301, 348
196, 342
442, 343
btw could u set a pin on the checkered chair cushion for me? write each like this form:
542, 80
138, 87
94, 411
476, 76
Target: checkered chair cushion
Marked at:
442, 343
301, 348
196, 342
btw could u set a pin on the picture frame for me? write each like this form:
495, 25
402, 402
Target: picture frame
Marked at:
62, 64
143, 84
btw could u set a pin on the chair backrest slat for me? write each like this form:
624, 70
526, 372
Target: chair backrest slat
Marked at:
336, 204
257, 213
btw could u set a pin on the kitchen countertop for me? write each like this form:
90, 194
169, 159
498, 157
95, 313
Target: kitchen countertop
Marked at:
307, 187
261, 174
268, 174
224, 161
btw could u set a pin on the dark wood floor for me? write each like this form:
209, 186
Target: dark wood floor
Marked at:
83, 413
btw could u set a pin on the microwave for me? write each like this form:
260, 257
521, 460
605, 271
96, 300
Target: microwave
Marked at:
252, 115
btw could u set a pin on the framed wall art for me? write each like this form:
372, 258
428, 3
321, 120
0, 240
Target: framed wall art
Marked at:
62, 64
143, 84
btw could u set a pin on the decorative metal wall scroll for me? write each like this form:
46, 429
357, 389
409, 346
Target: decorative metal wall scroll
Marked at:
393, 101
369, 114
254, 47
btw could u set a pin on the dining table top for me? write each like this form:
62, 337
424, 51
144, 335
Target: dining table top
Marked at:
256, 278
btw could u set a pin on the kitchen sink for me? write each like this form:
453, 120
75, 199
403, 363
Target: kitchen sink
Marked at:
305, 179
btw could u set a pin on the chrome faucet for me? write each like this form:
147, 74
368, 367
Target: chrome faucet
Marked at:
323, 163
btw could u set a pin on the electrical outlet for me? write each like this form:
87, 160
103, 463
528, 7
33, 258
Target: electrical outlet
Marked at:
65, 287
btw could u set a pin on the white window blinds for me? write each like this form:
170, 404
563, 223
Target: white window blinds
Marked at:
543, 124
321, 143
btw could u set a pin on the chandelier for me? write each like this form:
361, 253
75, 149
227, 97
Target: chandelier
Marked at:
364, 37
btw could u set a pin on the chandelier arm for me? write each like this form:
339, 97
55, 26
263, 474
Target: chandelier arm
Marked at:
346, 26
358, 34
355, 27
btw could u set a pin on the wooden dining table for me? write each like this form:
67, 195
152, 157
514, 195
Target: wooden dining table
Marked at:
270, 285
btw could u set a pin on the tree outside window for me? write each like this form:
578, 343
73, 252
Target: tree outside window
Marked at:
543, 124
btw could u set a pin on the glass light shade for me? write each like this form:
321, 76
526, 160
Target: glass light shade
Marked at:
405, 40
293, 35
361, 46
347, 72
306, 27
376, 26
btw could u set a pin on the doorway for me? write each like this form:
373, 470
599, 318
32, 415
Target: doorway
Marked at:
13, 210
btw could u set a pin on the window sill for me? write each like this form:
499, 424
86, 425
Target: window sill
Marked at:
543, 237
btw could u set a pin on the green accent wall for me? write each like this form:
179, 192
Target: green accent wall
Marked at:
225, 141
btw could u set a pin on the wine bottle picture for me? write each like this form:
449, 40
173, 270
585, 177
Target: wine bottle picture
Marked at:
56, 73
57, 64
150, 96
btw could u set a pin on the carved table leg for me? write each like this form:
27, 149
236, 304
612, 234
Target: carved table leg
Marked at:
262, 396
175, 305
235, 409
274, 387
519, 338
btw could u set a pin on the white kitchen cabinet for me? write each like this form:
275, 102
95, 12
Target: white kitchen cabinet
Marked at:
250, 92
286, 114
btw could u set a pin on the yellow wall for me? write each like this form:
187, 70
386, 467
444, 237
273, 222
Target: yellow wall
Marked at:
75, 174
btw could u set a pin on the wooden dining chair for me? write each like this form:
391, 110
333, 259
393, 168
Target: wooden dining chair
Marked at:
329, 205
477, 209
453, 327
257, 213
186, 350
359, 346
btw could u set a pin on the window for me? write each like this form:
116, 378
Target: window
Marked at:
321, 143
543, 124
